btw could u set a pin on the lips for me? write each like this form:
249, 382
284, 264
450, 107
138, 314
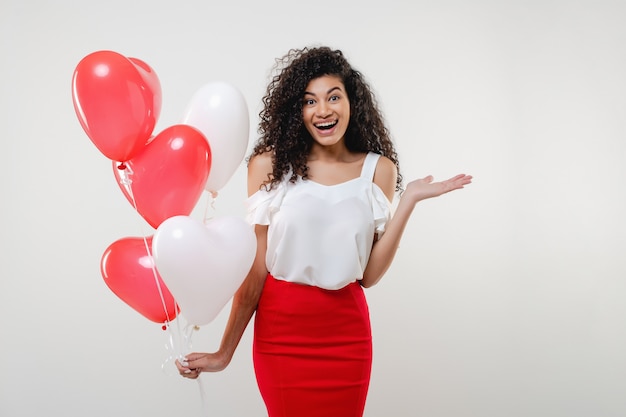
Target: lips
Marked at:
326, 125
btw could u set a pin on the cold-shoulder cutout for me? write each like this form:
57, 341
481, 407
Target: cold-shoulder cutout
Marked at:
263, 203
259, 167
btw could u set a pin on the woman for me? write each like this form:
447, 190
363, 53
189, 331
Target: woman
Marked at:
321, 180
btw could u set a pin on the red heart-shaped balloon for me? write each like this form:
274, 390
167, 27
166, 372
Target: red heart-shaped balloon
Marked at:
117, 101
168, 176
127, 267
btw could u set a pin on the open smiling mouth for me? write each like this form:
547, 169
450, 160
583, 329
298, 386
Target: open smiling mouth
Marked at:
326, 125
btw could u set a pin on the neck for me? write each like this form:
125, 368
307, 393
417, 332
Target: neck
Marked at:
336, 152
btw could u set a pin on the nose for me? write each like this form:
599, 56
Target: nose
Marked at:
323, 110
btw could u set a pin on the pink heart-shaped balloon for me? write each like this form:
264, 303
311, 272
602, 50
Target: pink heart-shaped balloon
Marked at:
167, 178
128, 270
203, 265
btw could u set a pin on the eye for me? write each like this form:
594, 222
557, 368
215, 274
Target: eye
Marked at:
334, 98
309, 101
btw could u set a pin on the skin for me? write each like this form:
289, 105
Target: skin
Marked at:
330, 162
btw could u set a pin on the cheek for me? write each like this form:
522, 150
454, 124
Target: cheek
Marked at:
344, 112
307, 116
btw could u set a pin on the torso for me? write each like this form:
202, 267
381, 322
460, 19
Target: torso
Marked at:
322, 230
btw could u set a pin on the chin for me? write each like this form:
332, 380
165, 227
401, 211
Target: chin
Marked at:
327, 141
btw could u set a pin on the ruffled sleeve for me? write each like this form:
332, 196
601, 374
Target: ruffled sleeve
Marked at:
262, 204
381, 208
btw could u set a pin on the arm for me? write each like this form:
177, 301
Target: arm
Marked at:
245, 299
384, 250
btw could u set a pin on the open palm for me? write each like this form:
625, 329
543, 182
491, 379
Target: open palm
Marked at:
424, 188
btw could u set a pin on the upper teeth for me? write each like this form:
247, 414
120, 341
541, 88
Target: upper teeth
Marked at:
325, 124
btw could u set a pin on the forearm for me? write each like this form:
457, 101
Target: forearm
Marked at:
384, 250
245, 299
243, 307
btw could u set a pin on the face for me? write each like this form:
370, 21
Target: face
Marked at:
326, 110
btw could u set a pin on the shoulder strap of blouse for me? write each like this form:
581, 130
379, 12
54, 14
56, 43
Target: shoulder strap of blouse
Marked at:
369, 165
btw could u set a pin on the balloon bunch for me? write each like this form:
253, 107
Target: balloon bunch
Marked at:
188, 266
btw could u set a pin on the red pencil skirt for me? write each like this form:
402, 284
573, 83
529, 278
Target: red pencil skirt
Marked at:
312, 350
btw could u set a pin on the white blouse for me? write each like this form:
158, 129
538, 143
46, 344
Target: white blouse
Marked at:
318, 234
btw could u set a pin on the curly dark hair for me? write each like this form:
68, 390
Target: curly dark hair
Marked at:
282, 129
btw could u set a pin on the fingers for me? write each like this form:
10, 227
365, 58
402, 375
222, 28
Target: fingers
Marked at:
461, 177
183, 367
192, 374
460, 180
456, 182
192, 360
193, 356
186, 371
464, 180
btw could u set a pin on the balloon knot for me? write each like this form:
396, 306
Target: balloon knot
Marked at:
164, 327
121, 166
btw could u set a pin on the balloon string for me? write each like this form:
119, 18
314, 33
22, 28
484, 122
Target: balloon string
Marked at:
202, 395
210, 203
187, 348
172, 345
175, 346
127, 182
185, 345
156, 281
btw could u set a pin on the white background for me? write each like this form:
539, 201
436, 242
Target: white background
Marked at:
507, 299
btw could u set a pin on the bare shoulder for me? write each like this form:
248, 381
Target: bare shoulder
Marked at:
385, 176
259, 167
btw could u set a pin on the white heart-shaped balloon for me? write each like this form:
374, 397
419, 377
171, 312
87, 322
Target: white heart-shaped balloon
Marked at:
203, 265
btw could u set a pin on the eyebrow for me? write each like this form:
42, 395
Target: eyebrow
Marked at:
328, 92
